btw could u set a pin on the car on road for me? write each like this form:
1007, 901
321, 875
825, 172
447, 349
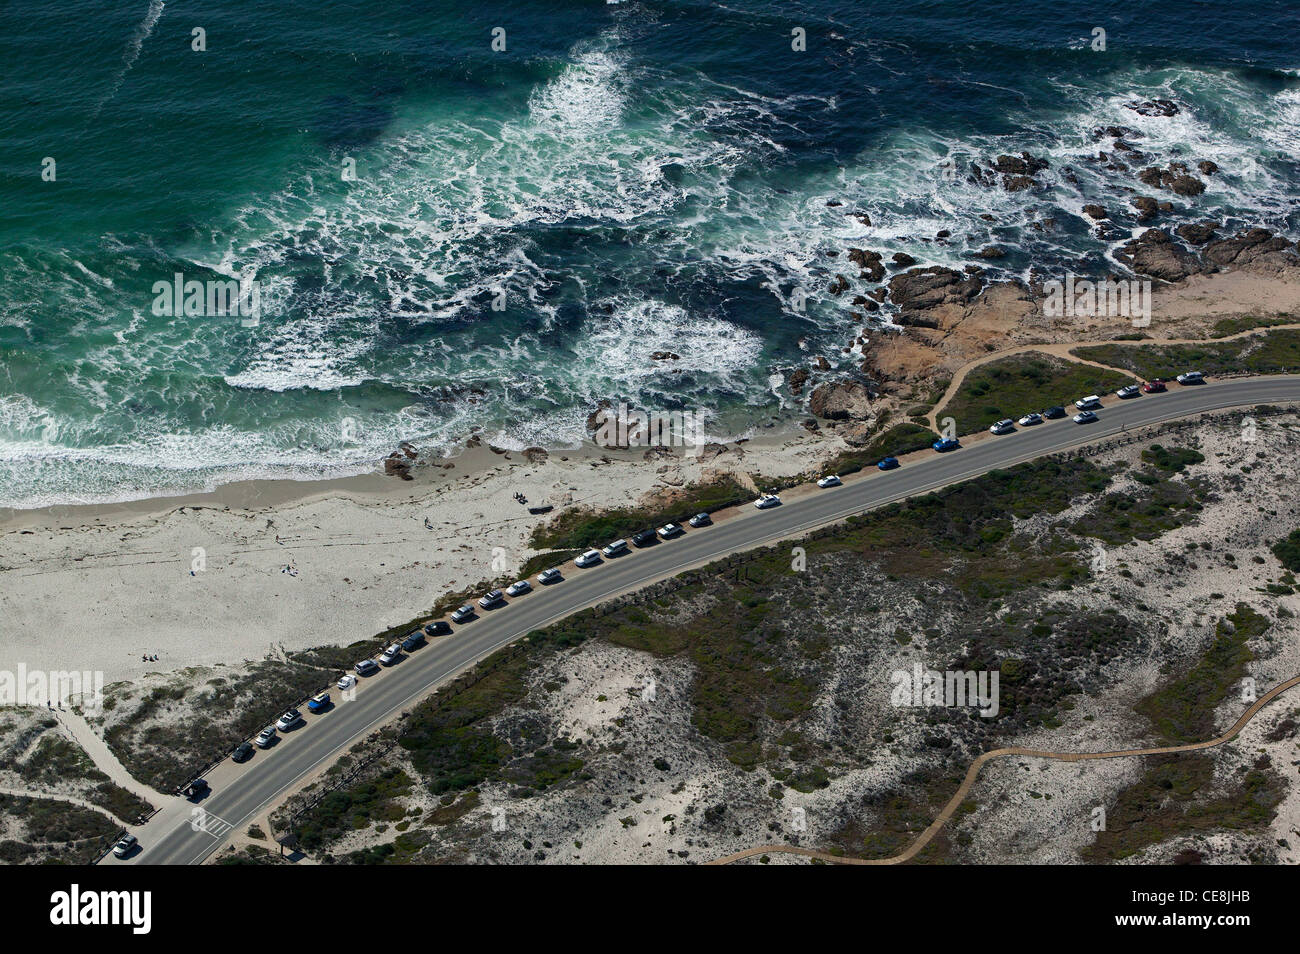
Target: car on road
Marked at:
439, 627
553, 575
390, 655
1128, 391
243, 752
347, 682
700, 520
830, 480
414, 640
1030, 419
1155, 386
287, 721
196, 789
462, 614
319, 702
590, 558
670, 530
519, 588
367, 667
767, 501
491, 598
1088, 403
946, 444
265, 738
125, 845
617, 548
1004, 426
1084, 417
1190, 377
1053, 412
644, 538
887, 463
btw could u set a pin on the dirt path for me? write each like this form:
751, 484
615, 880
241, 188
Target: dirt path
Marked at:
97, 750
973, 772
71, 799
1062, 349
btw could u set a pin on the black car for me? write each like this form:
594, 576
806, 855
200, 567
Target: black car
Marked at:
195, 789
1054, 412
413, 640
438, 628
644, 538
243, 753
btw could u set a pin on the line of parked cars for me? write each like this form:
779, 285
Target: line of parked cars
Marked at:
1086, 407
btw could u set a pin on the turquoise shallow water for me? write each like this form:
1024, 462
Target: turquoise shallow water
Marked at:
625, 177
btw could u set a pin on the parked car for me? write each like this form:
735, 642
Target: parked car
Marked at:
644, 538
767, 501
491, 598
700, 520
519, 588
319, 702
1030, 419
553, 575
439, 627
462, 613
414, 640
125, 845
830, 480
367, 667
1088, 403
614, 549
390, 655
1155, 386
347, 682
1053, 412
1004, 426
1084, 417
670, 530
287, 721
243, 752
590, 558
1128, 391
196, 789
946, 444
1190, 377
265, 738
887, 463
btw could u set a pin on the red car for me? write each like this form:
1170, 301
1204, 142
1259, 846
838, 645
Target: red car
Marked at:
1154, 386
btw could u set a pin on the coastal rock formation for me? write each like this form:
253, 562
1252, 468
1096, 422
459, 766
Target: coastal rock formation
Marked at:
1155, 253
1197, 234
922, 288
1154, 107
841, 401
1094, 211
1253, 247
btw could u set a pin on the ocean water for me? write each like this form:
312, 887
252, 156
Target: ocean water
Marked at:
623, 178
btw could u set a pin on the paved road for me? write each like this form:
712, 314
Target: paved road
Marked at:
241, 792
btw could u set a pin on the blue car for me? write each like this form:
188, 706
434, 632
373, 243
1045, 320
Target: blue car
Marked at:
946, 444
887, 463
318, 703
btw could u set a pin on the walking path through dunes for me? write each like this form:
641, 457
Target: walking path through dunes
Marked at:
973, 772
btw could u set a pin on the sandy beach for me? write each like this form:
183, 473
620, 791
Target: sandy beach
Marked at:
259, 567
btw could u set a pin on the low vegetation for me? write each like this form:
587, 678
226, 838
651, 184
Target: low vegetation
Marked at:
1012, 387
1270, 352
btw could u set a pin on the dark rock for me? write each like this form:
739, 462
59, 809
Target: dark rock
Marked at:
1187, 185
1154, 107
903, 260
1252, 246
1146, 206
798, 379
923, 288
664, 356
1156, 254
841, 401
1197, 234
992, 251
1094, 211
1018, 183
1207, 167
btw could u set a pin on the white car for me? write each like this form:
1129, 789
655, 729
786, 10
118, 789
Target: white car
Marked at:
1088, 403
265, 738
389, 655
348, 681
767, 501
1128, 391
1190, 377
462, 613
830, 480
491, 598
366, 667
615, 548
125, 845
590, 558
670, 530
550, 576
1004, 426
288, 720
1030, 419
519, 588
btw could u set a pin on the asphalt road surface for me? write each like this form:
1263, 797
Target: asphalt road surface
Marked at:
182, 833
